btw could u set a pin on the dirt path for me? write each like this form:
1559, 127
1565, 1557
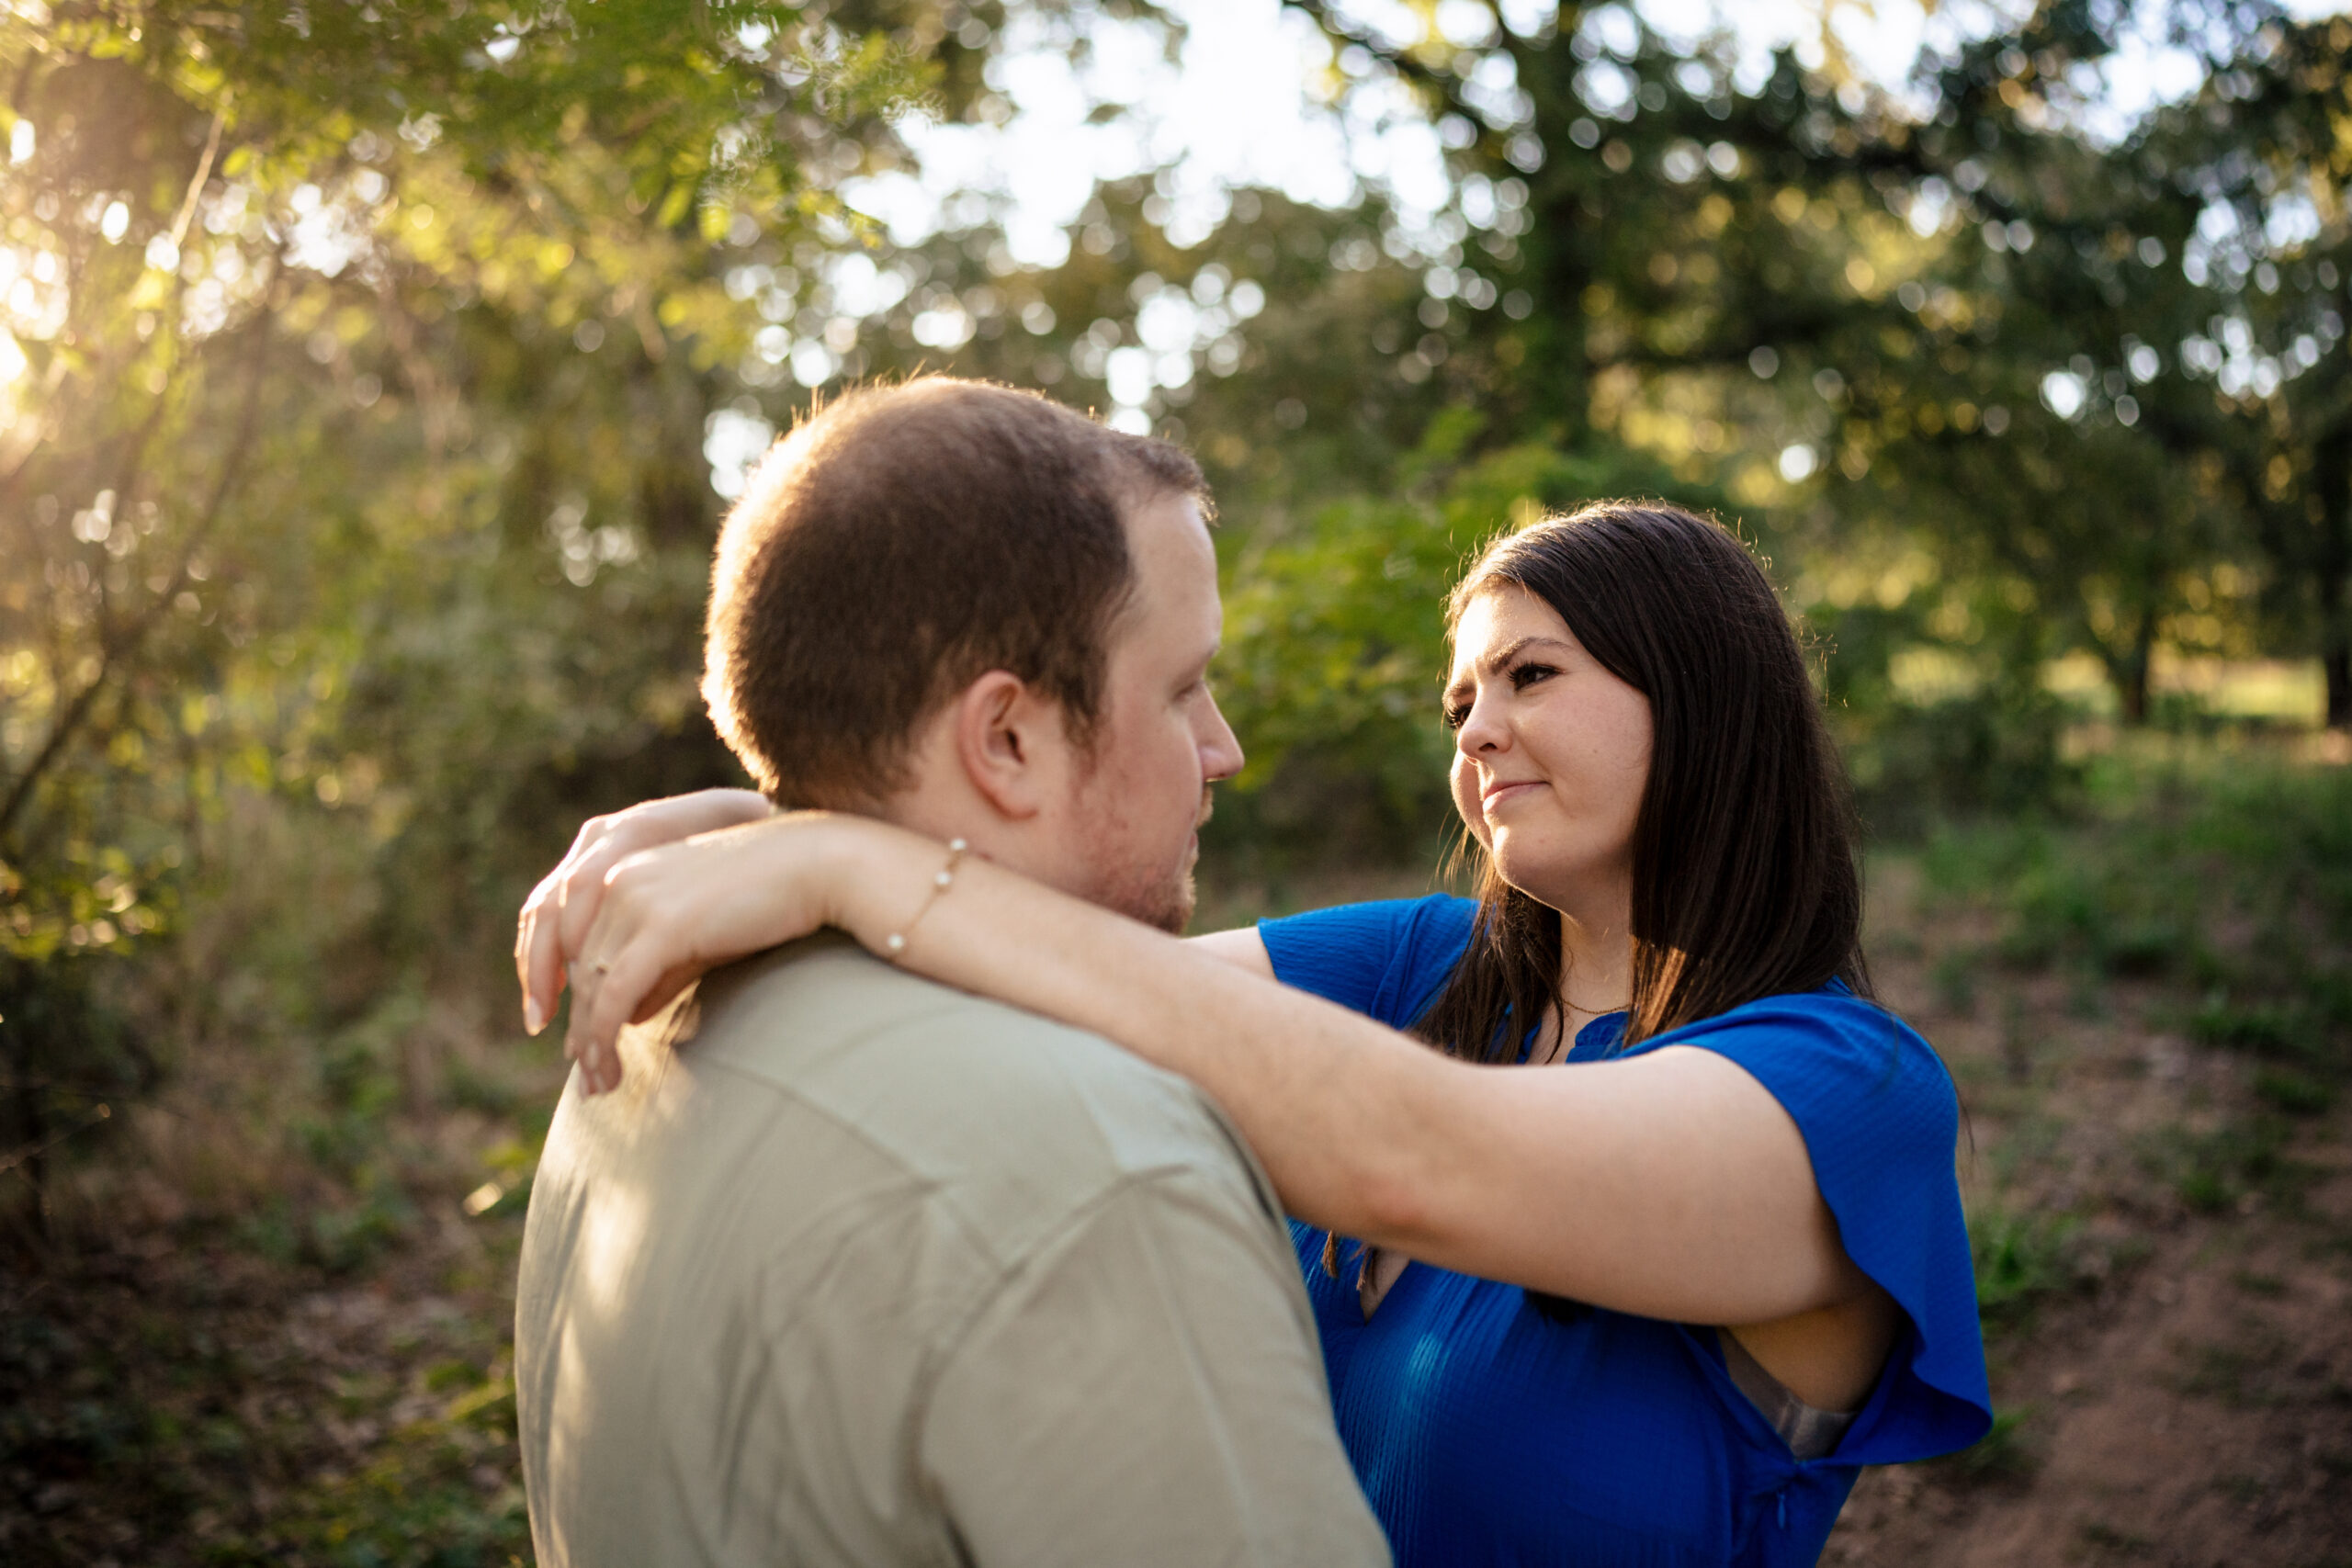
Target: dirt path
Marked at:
2178, 1389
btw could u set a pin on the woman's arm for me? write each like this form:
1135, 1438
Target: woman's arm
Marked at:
1671, 1184
1241, 947
556, 918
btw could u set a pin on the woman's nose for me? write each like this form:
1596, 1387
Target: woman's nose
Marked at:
1481, 731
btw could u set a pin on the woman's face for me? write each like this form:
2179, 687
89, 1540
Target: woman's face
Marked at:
1550, 751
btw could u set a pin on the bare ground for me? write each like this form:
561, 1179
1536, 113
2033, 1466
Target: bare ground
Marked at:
2182, 1394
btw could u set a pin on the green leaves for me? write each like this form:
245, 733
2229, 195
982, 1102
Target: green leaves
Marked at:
1335, 629
333, 338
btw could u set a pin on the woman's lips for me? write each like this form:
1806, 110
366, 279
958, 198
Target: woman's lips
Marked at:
1501, 793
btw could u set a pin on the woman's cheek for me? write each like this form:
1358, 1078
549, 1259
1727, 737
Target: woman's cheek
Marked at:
1466, 802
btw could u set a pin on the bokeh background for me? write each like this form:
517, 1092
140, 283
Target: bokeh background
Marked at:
373, 377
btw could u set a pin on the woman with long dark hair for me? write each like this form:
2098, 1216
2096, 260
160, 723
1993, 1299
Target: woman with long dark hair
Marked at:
1658, 1308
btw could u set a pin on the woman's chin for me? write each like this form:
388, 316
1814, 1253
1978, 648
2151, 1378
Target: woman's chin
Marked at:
1543, 877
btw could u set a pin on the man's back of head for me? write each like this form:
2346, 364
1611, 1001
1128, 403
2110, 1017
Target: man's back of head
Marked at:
874, 1272
898, 543
974, 612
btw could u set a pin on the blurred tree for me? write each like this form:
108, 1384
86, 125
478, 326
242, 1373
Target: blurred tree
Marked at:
367, 372
1908, 287
2256, 170
346, 350
2169, 310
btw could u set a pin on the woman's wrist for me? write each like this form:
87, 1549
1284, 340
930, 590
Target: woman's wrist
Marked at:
870, 878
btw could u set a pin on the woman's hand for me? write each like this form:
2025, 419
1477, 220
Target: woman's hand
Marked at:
563, 905
669, 914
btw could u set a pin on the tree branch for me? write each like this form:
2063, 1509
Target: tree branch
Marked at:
195, 186
117, 644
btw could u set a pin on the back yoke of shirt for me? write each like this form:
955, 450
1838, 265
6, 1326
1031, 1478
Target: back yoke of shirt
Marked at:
875, 1272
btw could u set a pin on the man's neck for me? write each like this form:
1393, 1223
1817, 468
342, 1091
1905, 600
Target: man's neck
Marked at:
947, 815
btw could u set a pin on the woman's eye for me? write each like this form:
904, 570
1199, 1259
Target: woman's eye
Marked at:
1456, 715
1526, 675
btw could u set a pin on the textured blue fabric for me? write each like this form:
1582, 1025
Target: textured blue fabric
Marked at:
1488, 1431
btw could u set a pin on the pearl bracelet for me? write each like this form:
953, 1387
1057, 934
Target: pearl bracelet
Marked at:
896, 942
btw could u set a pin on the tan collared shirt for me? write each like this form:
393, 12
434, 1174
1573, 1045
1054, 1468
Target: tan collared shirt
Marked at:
876, 1272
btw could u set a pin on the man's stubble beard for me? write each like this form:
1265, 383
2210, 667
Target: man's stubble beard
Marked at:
1162, 899
1172, 911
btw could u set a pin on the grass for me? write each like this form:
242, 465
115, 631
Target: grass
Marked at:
440, 1492
2024, 1260
2011, 1450
2106, 1539
2294, 1091
2179, 943
2231, 1168
1955, 977
2268, 1287
2255, 1369
2228, 871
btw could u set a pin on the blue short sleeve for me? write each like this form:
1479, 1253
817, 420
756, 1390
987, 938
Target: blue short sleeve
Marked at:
1385, 960
1880, 1118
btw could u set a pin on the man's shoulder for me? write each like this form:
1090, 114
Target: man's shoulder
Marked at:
1012, 1118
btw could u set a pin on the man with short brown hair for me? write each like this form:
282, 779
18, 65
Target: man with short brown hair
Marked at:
875, 1271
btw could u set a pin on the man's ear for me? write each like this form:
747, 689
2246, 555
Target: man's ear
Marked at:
1008, 737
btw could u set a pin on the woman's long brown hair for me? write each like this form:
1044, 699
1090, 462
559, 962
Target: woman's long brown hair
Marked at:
1744, 867
1746, 883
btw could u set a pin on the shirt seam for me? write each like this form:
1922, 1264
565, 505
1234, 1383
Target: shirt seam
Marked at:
916, 1178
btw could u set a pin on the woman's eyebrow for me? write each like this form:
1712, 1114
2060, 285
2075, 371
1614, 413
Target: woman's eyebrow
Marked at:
1496, 661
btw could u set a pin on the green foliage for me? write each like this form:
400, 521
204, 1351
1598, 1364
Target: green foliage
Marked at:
1955, 978
2296, 1093
1336, 634
2098, 1535
2026, 1259
307, 436
422, 1501
2011, 1450
2216, 1171
2221, 865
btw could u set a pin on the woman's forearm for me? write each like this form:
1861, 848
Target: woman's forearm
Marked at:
1671, 1185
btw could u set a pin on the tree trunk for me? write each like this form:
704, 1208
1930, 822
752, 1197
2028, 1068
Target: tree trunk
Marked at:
2331, 484
2129, 672
2131, 688
24, 1131
2338, 663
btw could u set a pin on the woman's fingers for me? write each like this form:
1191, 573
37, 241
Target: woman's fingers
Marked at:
631, 958
581, 897
539, 954
659, 918
561, 909
609, 994
602, 1068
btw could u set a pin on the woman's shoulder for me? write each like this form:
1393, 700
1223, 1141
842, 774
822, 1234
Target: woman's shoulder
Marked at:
1827, 1041
1385, 958
1379, 921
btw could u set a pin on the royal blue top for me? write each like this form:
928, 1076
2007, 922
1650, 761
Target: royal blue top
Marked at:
1485, 1430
